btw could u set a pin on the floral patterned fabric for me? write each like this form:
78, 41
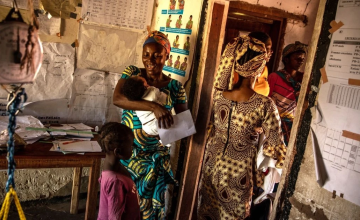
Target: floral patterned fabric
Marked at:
149, 164
229, 167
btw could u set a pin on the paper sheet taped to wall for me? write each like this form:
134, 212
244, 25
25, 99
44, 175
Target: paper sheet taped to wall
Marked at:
53, 111
123, 13
341, 105
48, 26
55, 77
91, 100
337, 160
61, 8
22, 4
108, 49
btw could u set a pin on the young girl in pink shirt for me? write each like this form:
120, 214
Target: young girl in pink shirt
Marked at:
118, 193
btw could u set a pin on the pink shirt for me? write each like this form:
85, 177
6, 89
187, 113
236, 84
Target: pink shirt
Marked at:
118, 197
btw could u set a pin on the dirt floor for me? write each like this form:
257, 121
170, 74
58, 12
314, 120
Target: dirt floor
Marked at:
54, 209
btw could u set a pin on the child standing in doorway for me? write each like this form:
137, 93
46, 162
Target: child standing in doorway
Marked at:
118, 194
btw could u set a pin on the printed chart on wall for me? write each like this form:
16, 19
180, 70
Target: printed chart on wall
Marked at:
336, 128
134, 14
179, 21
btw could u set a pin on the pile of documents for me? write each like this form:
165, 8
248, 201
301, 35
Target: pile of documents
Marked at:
22, 122
75, 146
73, 138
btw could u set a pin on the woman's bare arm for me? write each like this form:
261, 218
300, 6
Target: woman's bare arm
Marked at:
181, 107
161, 113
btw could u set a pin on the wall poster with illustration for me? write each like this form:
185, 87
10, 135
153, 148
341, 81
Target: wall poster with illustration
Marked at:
179, 21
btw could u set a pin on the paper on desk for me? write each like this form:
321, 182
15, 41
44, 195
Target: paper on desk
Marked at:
183, 127
76, 146
337, 160
78, 126
21, 123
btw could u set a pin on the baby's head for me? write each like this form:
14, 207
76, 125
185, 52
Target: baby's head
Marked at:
134, 88
117, 139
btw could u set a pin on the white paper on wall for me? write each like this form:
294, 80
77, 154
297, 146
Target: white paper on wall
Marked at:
61, 8
340, 104
337, 160
54, 111
135, 14
91, 100
54, 80
108, 49
22, 4
49, 26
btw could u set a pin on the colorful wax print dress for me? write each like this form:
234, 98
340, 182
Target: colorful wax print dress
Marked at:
229, 166
149, 164
177, 64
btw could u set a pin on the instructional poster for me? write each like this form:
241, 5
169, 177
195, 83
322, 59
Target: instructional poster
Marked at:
179, 20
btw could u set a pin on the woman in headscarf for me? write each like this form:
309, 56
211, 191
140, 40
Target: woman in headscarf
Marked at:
261, 85
229, 166
285, 85
149, 164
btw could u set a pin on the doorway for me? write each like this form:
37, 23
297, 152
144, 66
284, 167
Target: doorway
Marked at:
242, 22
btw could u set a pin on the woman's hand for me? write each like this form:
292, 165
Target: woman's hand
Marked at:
164, 117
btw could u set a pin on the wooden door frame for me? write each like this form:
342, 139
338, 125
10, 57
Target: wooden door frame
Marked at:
210, 57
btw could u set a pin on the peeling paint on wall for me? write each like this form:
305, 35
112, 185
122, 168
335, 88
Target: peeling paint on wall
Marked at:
310, 210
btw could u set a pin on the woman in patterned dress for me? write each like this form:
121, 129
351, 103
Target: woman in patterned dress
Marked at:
149, 165
229, 166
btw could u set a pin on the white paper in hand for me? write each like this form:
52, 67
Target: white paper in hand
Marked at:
183, 127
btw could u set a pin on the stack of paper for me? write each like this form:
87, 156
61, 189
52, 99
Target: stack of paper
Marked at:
75, 131
75, 146
21, 123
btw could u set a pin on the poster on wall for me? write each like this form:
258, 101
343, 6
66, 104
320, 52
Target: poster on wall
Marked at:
179, 20
134, 14
335, 127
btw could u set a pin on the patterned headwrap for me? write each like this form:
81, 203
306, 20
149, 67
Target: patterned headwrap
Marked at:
159, 38
229, 65
292, 48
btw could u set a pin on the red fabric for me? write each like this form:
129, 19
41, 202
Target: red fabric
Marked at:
118, 197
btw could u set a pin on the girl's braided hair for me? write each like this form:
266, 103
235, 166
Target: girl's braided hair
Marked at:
114, 135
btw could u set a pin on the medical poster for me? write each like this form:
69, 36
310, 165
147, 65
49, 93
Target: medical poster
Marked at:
336, 126
179, 20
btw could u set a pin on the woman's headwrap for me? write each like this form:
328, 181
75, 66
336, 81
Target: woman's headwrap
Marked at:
229, 65
292, 48
159, 38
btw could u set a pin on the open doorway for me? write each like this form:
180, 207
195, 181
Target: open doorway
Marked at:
227, 21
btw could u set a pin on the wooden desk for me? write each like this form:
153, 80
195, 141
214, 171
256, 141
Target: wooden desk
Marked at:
37, 155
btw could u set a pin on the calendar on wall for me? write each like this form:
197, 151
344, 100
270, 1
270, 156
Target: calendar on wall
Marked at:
134, 14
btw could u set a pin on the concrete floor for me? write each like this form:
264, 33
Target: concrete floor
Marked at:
54, 209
